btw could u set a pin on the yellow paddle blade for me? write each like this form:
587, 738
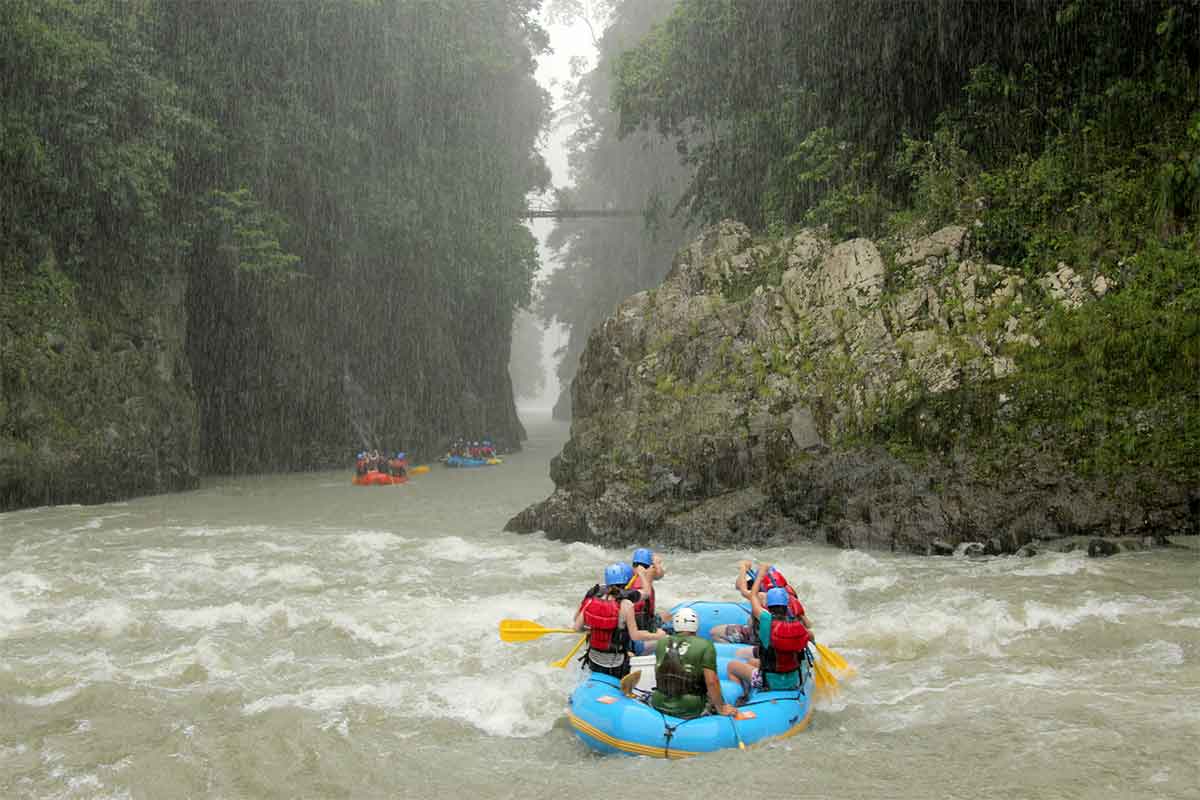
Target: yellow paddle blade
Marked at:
562, 662
826, 684
833, 659
524, 630
421, 470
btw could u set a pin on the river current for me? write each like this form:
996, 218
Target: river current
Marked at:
295, 636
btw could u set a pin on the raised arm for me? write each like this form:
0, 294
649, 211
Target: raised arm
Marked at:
636, 633
755, 601
740, 584
647, 577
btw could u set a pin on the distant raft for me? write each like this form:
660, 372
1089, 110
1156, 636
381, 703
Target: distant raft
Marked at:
609, 722
376, 478
462, 462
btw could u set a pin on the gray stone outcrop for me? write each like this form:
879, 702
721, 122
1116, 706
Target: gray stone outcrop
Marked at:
715, 412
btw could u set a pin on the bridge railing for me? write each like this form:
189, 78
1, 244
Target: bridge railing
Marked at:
577, 213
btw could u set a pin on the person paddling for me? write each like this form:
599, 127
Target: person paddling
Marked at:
607, 614
685, 671
745, 634
782, 639
647, 568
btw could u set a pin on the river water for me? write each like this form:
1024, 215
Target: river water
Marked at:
296, 636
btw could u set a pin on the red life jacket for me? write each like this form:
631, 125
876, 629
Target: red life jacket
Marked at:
774, 579
643, 609
789, 637
602, 615
795, 607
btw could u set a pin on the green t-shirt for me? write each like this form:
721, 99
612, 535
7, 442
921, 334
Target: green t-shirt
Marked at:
775, 681
696, 655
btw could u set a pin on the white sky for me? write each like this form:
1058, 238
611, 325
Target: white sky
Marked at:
554, 73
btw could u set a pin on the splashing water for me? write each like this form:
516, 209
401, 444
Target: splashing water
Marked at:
294, 636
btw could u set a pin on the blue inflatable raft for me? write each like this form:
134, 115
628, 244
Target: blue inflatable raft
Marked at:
465, 462
609, 722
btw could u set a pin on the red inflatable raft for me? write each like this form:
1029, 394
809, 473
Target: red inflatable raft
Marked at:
377, 478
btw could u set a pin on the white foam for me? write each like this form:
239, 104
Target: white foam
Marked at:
106, 619
537, 566
1054, 564
1161, 653
876, 583
905, 630
11, 609
367, 633
509, 704
459, 550
372, 542
209, 617
50, 698
333, 698
585, 552
24, 583
1039, 615
205, 559
300, 576
855, 561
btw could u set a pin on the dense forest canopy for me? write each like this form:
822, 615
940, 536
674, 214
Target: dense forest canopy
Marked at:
338, 185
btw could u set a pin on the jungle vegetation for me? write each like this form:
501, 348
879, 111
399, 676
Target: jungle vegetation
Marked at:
337, 185
1059, 131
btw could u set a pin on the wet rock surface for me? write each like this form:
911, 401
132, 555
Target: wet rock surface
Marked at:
715, 413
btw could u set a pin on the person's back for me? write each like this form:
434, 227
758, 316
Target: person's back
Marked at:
783, 639
679, 664
602, 613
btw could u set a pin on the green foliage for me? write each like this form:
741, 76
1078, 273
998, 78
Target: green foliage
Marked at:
1118, 377
249, 233
383, 150
1061, 131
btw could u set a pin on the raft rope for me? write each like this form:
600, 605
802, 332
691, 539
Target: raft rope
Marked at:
669, 730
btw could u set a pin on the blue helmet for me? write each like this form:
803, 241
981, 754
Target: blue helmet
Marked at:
643, 556
617, 574
777, 597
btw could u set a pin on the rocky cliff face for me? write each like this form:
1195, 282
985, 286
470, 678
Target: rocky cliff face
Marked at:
96, 401
723, 408
138, 384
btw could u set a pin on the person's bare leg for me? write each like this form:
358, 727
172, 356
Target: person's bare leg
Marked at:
743, 673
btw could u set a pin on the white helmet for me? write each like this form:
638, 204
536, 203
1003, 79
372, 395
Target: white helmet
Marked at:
685, 619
